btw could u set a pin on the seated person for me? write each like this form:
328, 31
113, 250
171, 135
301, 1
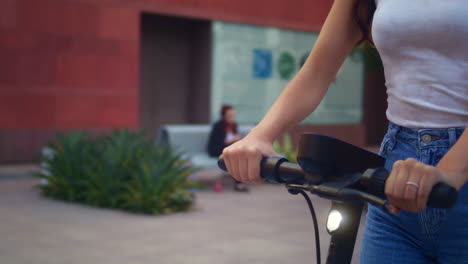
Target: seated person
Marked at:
223, 134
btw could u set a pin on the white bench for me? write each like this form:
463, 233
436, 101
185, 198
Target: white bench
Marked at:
192, 140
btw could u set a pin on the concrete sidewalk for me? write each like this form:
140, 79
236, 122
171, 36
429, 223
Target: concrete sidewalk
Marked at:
267, 225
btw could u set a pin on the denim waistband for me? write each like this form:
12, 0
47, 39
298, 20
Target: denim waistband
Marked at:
424, 138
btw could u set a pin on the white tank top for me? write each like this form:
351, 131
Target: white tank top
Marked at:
424, 49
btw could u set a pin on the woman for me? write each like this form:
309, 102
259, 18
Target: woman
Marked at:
424, 48
223, 134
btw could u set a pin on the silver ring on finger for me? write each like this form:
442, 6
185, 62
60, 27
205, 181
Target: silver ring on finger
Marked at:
410, 183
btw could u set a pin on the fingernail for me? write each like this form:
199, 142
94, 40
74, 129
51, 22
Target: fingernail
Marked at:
394, 210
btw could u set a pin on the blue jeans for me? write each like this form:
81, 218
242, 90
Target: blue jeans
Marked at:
432, 236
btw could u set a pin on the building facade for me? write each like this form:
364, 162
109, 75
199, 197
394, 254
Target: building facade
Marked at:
96, 65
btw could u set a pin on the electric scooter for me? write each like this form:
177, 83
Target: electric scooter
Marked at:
346, 174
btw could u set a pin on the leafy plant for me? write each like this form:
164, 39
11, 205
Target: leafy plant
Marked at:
286, 148
121, 170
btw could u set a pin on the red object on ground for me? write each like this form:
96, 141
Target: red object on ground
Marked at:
218, 187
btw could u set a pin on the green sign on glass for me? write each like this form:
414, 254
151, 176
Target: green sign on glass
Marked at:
286, 65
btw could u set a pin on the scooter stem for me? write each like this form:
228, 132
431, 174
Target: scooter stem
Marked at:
342, 240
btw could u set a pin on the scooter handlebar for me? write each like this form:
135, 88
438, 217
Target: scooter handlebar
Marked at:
279, 170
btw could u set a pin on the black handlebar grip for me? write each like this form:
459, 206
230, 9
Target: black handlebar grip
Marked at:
221, 164
441, 196
270, 167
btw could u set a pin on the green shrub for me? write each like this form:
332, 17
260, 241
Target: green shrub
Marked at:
286, 148
121, 170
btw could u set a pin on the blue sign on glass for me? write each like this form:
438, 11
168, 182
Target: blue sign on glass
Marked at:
262, 63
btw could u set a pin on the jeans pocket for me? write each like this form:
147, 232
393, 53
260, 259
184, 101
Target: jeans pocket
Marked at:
384, 145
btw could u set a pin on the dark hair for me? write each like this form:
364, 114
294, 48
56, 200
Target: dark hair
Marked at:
363, 14
226, 125
224, 109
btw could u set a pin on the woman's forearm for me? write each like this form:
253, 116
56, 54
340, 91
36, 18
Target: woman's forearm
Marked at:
304, 93
297, 101
455, 162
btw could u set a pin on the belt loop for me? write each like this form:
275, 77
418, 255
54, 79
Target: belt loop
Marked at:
392, 135
452, 135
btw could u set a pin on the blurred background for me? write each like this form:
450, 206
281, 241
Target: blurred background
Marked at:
96, 71
98, 65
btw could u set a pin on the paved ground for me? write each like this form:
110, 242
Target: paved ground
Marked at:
267, 225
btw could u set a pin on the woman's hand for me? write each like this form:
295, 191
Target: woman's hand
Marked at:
410, 183
233, 139
237, 137
243, 158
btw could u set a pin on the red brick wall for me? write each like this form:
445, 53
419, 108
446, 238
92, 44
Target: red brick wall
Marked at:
305, 15
74, 64
67, 65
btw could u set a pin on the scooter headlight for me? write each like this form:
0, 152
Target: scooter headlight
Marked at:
334, 220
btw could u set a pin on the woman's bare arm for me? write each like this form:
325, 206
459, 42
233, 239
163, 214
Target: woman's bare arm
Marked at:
301, 96
455, 161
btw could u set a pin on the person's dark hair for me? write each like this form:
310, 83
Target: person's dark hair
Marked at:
224, 109
226, 125
363, 14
